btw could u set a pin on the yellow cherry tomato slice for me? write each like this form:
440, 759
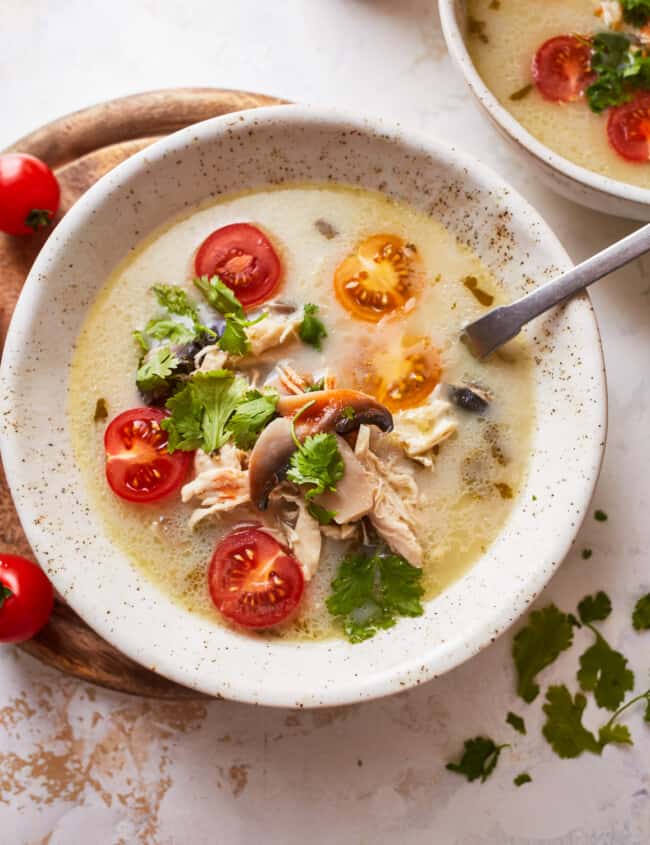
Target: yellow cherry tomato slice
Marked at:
403, 378
379, 278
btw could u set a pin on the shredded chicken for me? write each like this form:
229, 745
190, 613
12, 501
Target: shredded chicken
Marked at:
220, 483
418, 430
210, 358
301, 530
272, 331
611, 13
340, 532
289, 380
395, 499
285, 379
354, 494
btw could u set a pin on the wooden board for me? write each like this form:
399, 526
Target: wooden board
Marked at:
81, 148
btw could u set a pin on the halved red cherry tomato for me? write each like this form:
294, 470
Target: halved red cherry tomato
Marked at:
26, 599
562, 68
378, 278
138, 466
628, 129
244, 259
402, 379
29, 194
253, 580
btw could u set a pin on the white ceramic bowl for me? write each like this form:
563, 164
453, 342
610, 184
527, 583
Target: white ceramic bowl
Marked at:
253, 149
572, 181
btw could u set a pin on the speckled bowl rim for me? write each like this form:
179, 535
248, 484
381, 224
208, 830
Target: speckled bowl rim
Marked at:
460, 54
433, 660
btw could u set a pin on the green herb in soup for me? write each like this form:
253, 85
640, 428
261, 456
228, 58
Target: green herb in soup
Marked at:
300, 446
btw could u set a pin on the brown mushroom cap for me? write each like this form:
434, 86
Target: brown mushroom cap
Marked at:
340, 411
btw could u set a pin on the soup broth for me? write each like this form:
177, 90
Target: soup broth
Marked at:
464, 497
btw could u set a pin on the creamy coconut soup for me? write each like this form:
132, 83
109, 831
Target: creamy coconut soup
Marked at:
276, 419
575, 73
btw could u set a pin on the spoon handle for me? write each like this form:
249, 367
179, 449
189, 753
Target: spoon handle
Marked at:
503, 323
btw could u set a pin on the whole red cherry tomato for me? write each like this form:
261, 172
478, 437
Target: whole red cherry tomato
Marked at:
26, 599
29, 194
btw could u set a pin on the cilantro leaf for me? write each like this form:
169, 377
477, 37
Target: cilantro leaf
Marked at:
317, 385
614, 733
594, 608
317, 463
201, 410
369, 591
154, 370
641, 615
5, 593
321, 514
312, 330
636, 12
175, 300
609, 59
251, 416
548, 633
166, 328
522, 778
234, 339
563, 728
219, 295
516, 722
604, 671
646, 715
479, 760
141, 340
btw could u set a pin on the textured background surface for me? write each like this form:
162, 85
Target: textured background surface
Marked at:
81, 764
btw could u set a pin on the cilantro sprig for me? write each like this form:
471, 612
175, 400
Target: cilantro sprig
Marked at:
253, 414
621, 66
179, 321
317, 463
155, 370
312, 330
201, 410
371, 590
636, 12
234, 339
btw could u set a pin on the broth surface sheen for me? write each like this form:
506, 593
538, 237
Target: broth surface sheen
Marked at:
512, 34
465, 498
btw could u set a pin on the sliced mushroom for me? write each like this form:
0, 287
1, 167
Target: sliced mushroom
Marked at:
469, 398
340, 410
269, 460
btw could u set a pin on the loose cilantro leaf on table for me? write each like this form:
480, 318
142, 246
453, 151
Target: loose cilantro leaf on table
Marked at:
646, 715
523, 778
201, 410
234, 339
312, 330
548, 633
641, 614
516, 722
617, 733
602, 669
636, 12
253, 414
5, 593
371, 590
594, 608
600, 516
563, 728
155, 368
479, 760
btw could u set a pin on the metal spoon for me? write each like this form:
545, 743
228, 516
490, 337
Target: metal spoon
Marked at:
505, 322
